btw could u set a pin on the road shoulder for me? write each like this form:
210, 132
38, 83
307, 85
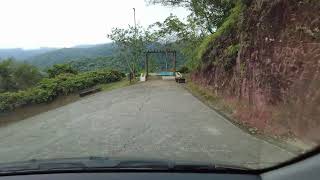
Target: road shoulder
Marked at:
291, 145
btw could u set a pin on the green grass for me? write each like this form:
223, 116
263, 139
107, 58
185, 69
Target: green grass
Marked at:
232, 50
49, 89
209, 98
115, 85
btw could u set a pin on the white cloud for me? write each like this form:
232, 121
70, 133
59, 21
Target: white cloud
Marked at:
65, 23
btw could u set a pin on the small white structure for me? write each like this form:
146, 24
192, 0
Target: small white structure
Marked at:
142, 77
178, 75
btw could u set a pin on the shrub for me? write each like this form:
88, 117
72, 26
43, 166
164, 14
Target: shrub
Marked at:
232, 50
57, 69
16, 76
184, 69
225, 28
49, 88
231, 54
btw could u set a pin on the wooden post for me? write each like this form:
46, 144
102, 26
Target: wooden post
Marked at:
146, 65
174, 61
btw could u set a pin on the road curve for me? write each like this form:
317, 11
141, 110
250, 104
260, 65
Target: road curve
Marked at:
152, 120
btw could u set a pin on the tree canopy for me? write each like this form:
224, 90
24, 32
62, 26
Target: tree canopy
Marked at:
60, 69
131, 44
207, 14
17, 75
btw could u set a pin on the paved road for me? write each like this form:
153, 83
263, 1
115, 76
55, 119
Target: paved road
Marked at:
152, 120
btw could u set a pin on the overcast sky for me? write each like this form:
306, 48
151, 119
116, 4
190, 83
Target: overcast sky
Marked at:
64, 23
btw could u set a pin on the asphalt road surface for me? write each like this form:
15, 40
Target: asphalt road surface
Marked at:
152, 120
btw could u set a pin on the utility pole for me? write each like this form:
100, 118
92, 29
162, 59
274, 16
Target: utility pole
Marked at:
134, 18
135, 36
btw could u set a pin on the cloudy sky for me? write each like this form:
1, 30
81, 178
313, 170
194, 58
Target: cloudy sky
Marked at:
64, 23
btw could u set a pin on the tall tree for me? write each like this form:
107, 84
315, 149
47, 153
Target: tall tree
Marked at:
182, 36
6, 79
26, 75
16, 75
208, 14
60, 69
131, 44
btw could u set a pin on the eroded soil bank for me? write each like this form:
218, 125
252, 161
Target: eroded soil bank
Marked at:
273, 81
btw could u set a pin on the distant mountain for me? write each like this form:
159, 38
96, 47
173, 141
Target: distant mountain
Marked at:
86, 57
86, 45
22, 54
65, 55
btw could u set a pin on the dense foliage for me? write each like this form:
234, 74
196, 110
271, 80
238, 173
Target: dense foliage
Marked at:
228, 25
131, 44
49, 88
184, 69
90, 64
205, 19
207, 14
17, 75
58, 69
180, 36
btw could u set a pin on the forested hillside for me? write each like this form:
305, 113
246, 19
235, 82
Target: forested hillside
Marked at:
22, 54
89, 64
71, 54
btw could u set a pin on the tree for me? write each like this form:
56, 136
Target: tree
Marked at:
152, 65
60, 69
131, 44
6, 69
208, 14
26, 75
168, 33
175, 34
16, 75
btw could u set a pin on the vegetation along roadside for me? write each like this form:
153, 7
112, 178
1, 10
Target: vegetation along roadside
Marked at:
61, 81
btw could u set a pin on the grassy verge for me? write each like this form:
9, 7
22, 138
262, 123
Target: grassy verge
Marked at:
115, 85
24, 112
49, 89
226, 109
209, 98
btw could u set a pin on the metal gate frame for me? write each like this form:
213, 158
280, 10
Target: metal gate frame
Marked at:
174, 53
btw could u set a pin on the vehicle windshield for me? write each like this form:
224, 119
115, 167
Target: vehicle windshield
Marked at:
228, 83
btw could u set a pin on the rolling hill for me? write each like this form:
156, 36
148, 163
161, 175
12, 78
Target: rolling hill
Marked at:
22, 54
65, 55
85, 57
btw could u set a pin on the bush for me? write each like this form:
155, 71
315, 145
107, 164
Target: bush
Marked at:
184, 69
232, 50
49, 88
57, 69
16, 76
227, 26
